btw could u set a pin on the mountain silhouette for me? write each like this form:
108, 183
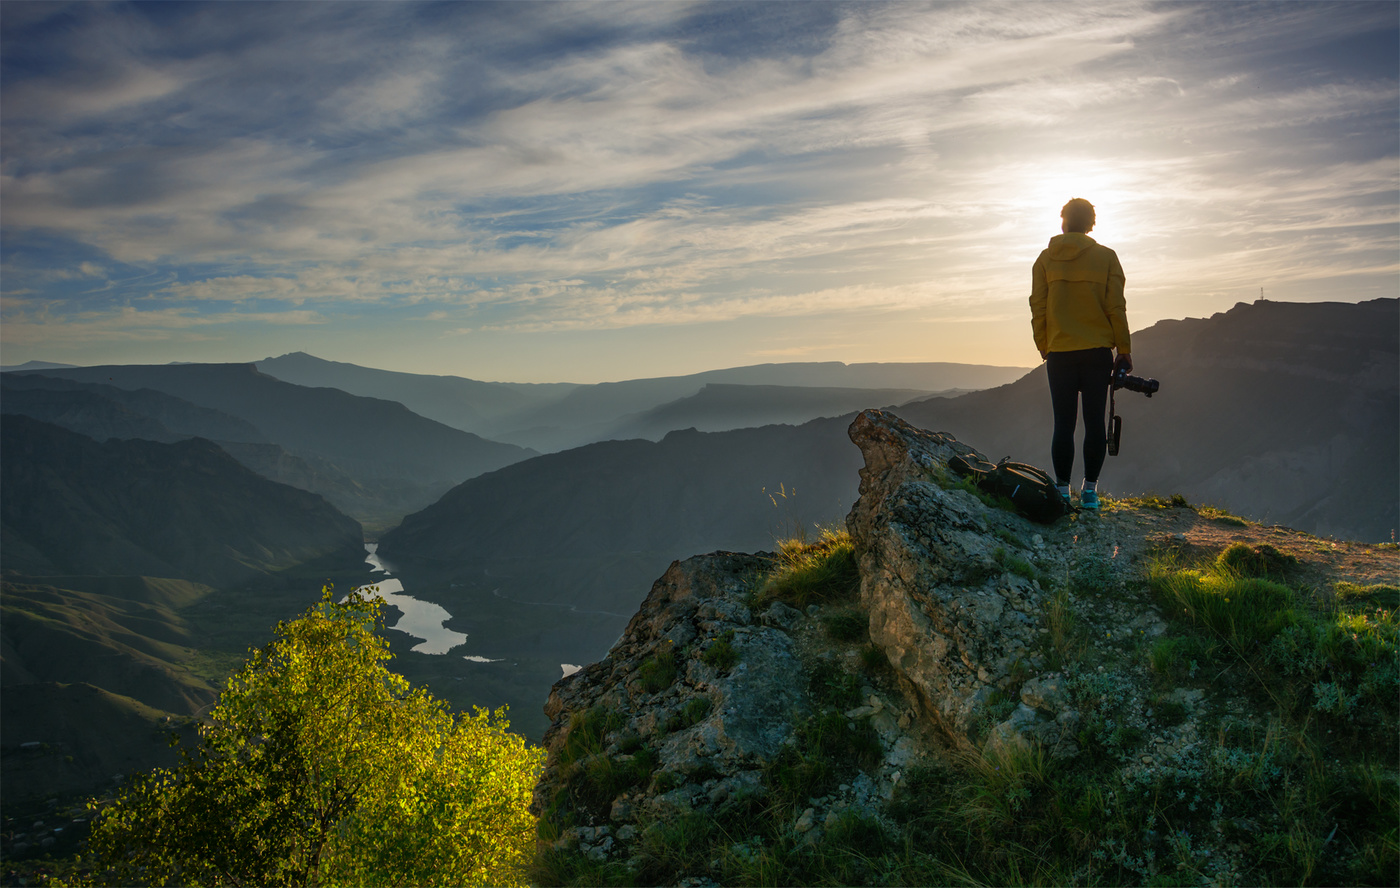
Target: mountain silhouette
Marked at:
381, 445
1288, 413
105, 411
557, 416
187, 510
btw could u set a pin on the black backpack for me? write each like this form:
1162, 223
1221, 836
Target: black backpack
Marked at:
1029, 489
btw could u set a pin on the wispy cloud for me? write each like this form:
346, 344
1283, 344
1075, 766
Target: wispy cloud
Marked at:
578, 166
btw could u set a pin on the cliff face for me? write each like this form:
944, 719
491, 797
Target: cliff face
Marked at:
735, 726
712, 684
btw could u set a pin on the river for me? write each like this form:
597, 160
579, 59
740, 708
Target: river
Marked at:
421, 619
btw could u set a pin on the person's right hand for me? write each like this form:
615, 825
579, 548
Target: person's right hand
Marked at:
1124, 361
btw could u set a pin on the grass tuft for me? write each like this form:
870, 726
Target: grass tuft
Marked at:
1262, 561
660, 671
823, 572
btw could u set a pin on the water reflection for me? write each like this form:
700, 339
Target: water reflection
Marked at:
421, 619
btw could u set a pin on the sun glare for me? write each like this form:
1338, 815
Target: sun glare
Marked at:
1107, 190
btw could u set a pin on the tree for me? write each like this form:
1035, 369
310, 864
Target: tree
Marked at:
321, 767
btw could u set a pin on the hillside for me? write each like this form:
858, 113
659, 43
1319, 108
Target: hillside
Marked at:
394, 455
950, 694
188, 510
720, 407
559, 416
135, 574
105, 411
689, 489
1285, 412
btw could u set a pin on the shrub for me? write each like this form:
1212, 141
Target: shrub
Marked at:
830, 686
1176, 659
319, 766
1093, 574
721, 654
692, 713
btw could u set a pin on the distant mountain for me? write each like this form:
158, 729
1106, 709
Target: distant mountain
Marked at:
462, 403
105, 411
35, 365
692, 490
592, 413
379, 444
188, 510
558, 416
1287, 413
719, 407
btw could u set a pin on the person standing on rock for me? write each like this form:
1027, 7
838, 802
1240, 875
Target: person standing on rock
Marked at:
1079, 319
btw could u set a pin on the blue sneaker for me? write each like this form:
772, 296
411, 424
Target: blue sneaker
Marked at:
1089, 499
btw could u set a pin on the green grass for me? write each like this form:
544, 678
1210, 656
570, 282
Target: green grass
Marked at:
660, 671
1242, 611
823, 572
1220, 516
721, 653
1339, 661
692, 713
1177, 659
1147, 501
846, 625
1263, 561
1379, 594
1019, 566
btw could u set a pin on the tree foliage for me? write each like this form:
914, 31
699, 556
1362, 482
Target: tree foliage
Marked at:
321, 767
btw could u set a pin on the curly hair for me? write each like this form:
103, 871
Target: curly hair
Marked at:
1078, 215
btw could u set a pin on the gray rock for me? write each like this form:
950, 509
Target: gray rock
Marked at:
805, 821
916, 542
622, 810
1045, 692
780, 616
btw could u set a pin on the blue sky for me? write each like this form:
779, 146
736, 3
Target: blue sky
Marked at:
593, 191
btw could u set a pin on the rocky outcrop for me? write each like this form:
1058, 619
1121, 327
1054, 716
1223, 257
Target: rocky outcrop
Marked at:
716, 687
953, 620
921, 685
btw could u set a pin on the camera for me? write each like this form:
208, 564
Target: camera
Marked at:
1121, 379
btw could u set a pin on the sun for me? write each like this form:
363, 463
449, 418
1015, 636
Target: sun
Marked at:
1108, 189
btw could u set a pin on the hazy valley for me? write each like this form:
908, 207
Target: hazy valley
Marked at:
158, 520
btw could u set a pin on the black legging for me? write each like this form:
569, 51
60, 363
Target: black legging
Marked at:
1073, 373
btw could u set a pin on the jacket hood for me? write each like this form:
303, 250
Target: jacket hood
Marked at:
1066, 247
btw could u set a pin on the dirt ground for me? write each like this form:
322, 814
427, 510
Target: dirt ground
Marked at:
1203, 535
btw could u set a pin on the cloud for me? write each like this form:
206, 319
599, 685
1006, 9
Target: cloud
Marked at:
592, 166
37, 327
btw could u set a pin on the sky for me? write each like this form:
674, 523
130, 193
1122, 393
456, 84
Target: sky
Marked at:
543, 192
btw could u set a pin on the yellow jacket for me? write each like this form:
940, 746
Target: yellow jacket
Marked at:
1077, 297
